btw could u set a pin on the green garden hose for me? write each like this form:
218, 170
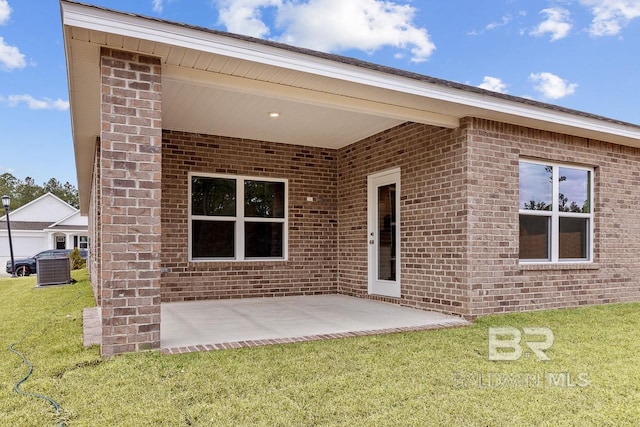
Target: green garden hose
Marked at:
26, 361
17, 385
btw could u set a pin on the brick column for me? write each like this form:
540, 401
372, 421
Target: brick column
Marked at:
130, 180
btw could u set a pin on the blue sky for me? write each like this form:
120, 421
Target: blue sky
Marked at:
581, 54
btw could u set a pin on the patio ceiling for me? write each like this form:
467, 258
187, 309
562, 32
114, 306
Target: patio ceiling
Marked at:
221, 84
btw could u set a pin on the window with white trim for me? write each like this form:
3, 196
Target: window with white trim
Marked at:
237, 218
556, 212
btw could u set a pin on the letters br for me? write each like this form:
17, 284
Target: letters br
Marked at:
508, 339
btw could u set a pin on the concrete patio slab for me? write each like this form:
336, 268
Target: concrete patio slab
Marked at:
220, 324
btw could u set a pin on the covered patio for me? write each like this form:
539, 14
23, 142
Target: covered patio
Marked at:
236, 323
214, 166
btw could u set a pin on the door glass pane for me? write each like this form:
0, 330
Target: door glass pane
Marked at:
387, 232
263, 199
535, 186
574, 190
534, 237
263, 239
213, 196
213, 239
573, 238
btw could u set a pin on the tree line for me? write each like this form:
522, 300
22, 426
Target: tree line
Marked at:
25, 191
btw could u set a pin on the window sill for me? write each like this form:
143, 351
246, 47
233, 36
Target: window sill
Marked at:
234, 262
559, 266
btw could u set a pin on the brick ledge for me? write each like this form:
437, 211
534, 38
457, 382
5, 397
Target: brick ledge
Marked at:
559, 266
291, 340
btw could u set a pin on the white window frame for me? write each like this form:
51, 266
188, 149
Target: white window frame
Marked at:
83, 242
240, 219
555, 214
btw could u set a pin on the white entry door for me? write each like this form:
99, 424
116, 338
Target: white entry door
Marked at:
384, 233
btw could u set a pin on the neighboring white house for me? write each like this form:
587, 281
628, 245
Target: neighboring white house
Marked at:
45, 223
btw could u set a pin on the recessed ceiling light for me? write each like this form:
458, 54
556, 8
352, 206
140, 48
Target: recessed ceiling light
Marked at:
274, 114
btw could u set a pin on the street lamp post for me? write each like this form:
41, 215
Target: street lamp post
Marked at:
6, 201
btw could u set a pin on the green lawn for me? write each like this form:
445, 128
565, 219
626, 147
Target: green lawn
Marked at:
429, 378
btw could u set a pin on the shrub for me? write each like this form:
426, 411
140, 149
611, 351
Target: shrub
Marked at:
77, 262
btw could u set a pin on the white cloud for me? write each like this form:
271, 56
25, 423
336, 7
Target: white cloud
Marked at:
245, 16
552, 86
558, 23
610, 16
10, 57
158, 5
5, 11
505, 20
331, 25
493, 84
35, 104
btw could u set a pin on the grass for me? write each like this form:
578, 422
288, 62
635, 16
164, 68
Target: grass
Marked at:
422, 378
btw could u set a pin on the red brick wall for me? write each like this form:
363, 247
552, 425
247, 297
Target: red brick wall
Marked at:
459, 218
311, 267
498, 283
129, 201
433, 205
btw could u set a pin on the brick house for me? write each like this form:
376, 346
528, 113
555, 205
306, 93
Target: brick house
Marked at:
44, 223
214, 165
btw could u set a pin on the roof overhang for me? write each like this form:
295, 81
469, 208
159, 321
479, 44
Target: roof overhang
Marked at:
223, 84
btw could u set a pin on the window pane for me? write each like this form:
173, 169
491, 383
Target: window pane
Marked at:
535, 186
212, 239
534, 237
263, 240
387, 232
264, 199
574, 190
574, 233
213, 196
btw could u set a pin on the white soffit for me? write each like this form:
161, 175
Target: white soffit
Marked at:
169, 34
